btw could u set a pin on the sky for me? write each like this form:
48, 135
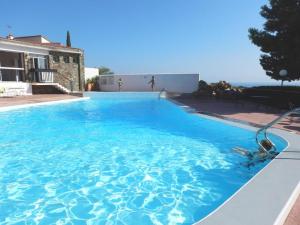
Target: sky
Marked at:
209, 37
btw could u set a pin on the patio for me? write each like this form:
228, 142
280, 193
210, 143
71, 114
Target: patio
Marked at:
241, 111
30, 99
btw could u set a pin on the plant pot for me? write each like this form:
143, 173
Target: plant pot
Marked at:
89, 86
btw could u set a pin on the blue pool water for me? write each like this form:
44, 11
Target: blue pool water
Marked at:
117, 159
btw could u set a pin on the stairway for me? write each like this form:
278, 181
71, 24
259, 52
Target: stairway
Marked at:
49, 88
62, 88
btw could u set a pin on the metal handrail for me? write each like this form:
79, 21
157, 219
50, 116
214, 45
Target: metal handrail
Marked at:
267, 126
159, 95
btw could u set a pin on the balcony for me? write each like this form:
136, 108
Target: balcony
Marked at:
42, 75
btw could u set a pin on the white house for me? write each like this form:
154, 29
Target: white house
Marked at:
34, 65
90, 72
179, 83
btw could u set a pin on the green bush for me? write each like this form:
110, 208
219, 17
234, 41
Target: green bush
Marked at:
204, 88
92, 80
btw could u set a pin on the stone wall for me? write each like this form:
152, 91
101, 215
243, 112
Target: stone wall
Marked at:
81, 71
45, 89
27, 77
69, 74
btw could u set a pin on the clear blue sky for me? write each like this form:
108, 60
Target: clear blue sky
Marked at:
209, 37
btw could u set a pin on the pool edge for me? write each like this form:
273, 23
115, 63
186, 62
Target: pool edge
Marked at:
21, 106
286, 204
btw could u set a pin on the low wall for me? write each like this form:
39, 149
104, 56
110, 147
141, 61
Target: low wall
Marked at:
124, 95
27, 87
181, 83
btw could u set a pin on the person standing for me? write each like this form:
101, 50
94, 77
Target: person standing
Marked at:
120, 83
152, 83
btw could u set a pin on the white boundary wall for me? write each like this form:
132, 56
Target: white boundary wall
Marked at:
180, 83
90, 72
15, 87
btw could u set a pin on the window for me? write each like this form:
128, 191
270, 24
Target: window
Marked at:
42, 63
103, 81
56, 58
110, 80
11, 66
10, 59
66, 59
75, 59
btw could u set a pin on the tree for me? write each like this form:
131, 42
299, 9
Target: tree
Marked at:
104, 70
68, 41
280, 39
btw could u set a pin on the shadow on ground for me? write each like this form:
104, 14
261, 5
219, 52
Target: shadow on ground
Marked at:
254, 113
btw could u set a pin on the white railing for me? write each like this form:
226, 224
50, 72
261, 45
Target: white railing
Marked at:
266, 127
45, 77
16, 74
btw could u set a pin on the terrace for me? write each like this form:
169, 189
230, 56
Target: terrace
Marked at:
33, 99
251, 113
12, 68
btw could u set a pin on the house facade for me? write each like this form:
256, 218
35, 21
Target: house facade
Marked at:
40, 66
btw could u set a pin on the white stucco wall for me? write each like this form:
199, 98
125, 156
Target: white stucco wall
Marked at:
90, 72
181, 83
12, 87
21, 48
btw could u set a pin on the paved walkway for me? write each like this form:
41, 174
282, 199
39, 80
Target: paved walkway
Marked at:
252, 113
255, 114
20, 100
294, 215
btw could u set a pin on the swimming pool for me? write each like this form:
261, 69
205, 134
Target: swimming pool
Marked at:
118, 159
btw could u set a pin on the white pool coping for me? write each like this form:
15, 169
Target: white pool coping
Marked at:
21, 106
268, 197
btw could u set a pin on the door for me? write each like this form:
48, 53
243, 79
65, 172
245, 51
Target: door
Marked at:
36, 67
38, 64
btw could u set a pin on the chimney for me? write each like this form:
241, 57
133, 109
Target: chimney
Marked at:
10, 37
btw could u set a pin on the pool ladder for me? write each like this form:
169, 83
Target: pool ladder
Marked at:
160, 93
266, 127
